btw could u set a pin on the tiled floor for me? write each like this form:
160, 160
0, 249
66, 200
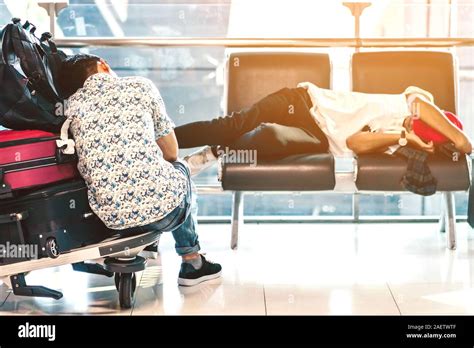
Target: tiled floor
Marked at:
321, 269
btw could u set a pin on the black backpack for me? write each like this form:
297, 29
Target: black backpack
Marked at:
29, 68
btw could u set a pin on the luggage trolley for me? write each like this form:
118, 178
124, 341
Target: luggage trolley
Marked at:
58, 223
120, 256
45, 215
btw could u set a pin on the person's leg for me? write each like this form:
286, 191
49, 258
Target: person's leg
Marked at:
285, 107
183, 228
435, 118
181, 224
185, 236
272, 141
194, 268
307, 122
179, 221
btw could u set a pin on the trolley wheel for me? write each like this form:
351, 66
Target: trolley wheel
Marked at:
126, 284
117, 281
52, 248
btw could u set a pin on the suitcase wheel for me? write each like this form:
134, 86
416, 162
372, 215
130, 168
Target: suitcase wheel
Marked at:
52, 248
126, 284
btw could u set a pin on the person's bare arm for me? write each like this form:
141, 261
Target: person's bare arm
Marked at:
169, 146
369, 142
430, 114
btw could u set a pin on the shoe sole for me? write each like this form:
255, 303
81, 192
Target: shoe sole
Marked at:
192, 282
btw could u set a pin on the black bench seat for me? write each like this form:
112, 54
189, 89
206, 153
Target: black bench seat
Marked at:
295, 173
384, 172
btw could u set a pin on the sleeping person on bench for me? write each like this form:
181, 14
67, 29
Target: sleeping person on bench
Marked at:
309, 119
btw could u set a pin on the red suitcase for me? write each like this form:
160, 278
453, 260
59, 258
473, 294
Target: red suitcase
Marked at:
29, 159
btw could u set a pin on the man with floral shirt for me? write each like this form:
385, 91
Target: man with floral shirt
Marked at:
127, 154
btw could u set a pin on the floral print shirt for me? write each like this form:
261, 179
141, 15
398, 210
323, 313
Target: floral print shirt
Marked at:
115, 123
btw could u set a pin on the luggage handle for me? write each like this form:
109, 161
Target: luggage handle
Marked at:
13, 217
62, 157
64, 142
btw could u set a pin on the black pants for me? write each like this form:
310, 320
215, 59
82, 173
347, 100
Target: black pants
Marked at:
279, 124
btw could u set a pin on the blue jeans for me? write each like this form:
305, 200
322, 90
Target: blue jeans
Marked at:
179, 221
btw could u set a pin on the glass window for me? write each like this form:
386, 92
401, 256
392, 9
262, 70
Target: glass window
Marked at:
412, 18
145, 18
191, 79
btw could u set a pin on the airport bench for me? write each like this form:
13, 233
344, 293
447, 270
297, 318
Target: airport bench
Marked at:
436, 73
253, 75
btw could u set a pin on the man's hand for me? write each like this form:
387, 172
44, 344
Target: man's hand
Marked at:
415, 141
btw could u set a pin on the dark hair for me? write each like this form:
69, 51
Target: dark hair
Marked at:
74, 72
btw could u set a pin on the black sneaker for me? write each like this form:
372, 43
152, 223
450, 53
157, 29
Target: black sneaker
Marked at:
189, 276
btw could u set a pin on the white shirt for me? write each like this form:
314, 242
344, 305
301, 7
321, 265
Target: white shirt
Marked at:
341, 114
115, 124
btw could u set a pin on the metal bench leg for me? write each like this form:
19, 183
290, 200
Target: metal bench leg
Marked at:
237, 217
356, 206
450, 219
442, 217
